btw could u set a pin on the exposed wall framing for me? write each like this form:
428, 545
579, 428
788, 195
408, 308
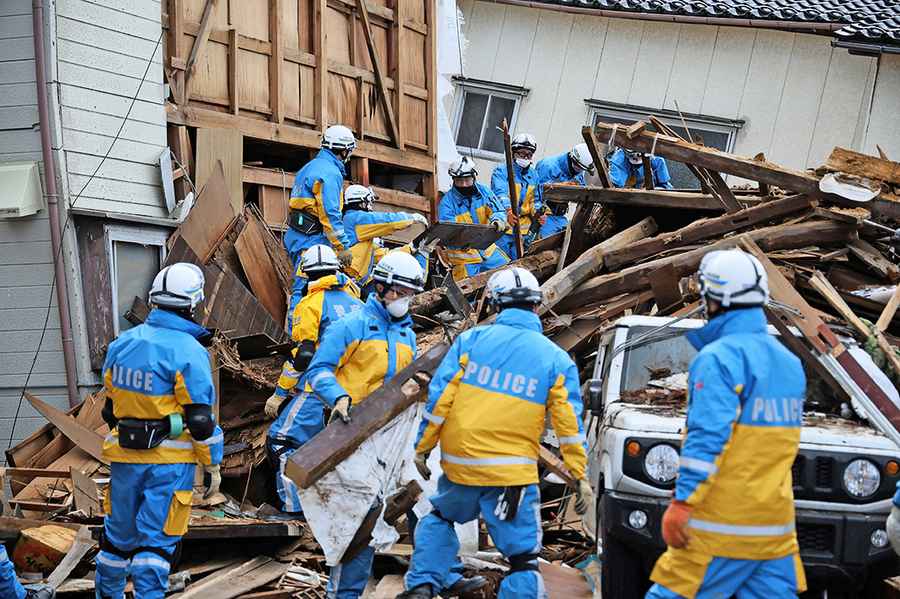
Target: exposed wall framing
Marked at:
256, 66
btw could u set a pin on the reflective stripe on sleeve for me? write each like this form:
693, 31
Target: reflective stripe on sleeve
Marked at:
574, 440
322, 375
432, 418
698, 465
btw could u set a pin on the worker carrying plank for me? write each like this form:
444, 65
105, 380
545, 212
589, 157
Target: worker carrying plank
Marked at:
487, 405
365, 227
358, 354
317, 200
626, 169
11, 588
330, 296
730, 526
468, 201
565, 168
159, 400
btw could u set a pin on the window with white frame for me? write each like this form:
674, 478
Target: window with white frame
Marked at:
480, 107
711, 131
135, 256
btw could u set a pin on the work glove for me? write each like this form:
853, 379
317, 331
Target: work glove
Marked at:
272, 405
893, 529
675, 524
499, 225
422, 465
341, 409
215, 480
345, 257
584, 497
419, 218
511, 218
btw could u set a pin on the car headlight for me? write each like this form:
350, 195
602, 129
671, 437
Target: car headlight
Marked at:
661, 463
861, 478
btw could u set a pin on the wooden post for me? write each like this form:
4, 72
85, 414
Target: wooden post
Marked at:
395, 58
275, 99
233, 83
599, 161
198, 46
648, 173
359, 170
320, 46
176, 36
379, 74
513, 196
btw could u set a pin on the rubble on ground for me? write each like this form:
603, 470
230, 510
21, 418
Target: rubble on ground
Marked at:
833, 269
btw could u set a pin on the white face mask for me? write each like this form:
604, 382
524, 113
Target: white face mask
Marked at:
523, 162
399, 307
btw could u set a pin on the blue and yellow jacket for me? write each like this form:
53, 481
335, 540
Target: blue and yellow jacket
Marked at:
483, 208
744, 417
360, 352
319, 190
528, 190
555, 169
624, 174
362, 228
327, 300
488, 400
152, 371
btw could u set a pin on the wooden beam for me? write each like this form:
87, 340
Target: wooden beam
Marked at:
80, 547
724, 192
339, 440
678, 200
275, 27
288, 134
701, 174
890, 309
395, 59
599, 161
83, 437
874, 260
320, 82
636, 278
590, 262
648, 173
229, 583
863, 165
176, 37
704, 229
716, 160
379, 74
198, 46
234, 87
665, 284
574, 336
251, 250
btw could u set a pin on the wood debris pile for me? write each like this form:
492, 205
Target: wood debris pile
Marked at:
833, 271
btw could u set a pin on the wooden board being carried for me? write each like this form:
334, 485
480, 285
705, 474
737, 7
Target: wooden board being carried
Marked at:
461, 236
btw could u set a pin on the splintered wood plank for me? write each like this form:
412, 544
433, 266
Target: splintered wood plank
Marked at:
211, 217
389, 587
83, 437
664, 282
199, 45
890, 309
251, 250
80, 547
234, 582
863, 165
656, 198
874, 260
225, 146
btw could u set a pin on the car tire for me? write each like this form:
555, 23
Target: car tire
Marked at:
623, 575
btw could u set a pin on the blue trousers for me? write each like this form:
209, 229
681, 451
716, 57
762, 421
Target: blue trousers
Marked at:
295, 243
554, 224
147, 505
747, 579
9, 584
437, 545
507, 244
348, 581
299, 422
456, 570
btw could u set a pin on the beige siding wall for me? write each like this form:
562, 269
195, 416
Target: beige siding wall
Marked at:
799, 96
103, 50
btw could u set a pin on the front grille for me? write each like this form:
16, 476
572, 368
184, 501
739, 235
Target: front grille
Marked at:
824, 472
797, 471
816, 537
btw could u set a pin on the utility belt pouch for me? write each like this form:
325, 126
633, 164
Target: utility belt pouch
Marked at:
142, 434
303, 222
508, 503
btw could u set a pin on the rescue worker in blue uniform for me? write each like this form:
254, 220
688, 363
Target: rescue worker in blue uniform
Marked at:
893, 522
317, 199
331, 296
565, 168
730, 525
11, 588
471, 202
626, 169
487, 405
357, 355
528, 192
364, 227
159, 407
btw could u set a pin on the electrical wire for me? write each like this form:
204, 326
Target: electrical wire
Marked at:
48, 172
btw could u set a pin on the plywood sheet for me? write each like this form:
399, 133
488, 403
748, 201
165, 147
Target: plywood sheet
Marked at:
253, 78
290, 89
209, 80
413, 58
337, 24
341, 99
415, 119
254, 257
225, 146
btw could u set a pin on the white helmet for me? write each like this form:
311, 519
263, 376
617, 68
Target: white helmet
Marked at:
581, 157
399, 268
339, 137
733, 278
319, 258
512, 286
524, 140
359, 196
179, 287
462, 167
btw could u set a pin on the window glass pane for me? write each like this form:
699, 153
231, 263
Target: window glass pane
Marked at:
472, 116
500, 108
136, 265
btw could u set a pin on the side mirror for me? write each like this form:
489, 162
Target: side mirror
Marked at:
595, 395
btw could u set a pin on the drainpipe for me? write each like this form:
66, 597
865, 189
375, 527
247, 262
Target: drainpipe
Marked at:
59, 270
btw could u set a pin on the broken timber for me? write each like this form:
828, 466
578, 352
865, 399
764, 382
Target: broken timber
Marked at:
338, 440
680, 200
